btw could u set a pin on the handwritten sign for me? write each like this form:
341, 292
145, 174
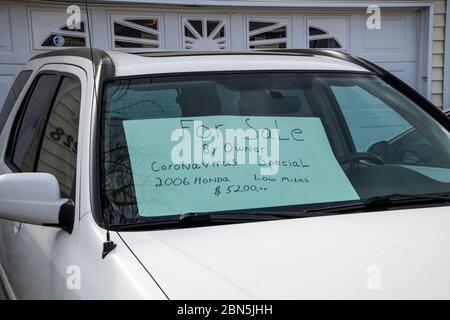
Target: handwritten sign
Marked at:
306, 169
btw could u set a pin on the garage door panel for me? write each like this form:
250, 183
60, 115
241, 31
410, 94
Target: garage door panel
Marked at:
48, 23
5, 83
334, 28
7, 55
5, 31
7, 75
405, 71
396, 41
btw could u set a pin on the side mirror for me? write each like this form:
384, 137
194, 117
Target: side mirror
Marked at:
35, 198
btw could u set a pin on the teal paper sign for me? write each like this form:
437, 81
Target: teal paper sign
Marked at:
183, 165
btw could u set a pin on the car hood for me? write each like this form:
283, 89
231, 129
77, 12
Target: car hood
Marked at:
391, 254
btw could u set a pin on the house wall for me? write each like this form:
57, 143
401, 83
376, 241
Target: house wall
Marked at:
447, 59
438, 53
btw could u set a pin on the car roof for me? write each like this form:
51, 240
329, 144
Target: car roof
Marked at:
163, 62
129, 64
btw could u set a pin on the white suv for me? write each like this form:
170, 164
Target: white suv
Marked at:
165, 175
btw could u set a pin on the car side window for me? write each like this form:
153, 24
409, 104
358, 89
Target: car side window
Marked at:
58, 152
29, 122
13, 95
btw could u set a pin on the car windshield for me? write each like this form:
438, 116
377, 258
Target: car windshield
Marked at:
197, 143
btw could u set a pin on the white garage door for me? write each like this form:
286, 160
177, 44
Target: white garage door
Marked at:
28, 30
12, 56
394, 46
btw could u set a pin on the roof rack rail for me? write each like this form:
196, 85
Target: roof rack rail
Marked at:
338, 55
212, 53
98, 55
302, 52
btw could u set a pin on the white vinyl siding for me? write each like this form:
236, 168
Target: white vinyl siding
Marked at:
437, 86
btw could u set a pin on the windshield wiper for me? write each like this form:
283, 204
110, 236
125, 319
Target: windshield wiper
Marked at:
371, 204
198, 219
223, 217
